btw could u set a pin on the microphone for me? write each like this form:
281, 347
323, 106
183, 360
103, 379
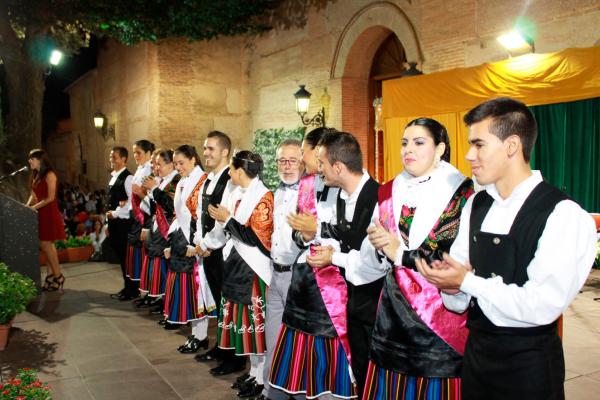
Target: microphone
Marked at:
24, 169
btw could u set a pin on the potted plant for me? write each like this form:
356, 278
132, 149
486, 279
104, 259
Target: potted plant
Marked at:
25, 386
79, 248
16, 291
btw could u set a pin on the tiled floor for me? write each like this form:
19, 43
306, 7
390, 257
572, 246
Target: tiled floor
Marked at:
91, 347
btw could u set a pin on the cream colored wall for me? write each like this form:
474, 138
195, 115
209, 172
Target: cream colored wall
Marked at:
175, 92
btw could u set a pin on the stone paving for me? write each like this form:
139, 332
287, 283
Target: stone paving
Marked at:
88, 346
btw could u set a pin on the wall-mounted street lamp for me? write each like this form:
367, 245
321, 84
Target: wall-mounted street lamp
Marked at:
101, 124
303, 102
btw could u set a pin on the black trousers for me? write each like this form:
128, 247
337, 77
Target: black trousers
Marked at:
505, 366
359, 336
213, 268
118, 228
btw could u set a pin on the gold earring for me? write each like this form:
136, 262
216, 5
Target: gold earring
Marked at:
436, 163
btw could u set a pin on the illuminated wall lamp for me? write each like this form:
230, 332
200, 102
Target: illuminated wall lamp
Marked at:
516, 42
101, 124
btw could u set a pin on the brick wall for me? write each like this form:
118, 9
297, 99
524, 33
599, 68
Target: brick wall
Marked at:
177, 91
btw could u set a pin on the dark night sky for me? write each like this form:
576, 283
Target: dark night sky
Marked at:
56, 102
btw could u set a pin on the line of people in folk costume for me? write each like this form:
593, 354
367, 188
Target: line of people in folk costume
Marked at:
336, 287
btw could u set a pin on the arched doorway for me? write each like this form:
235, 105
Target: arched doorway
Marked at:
389, 63
372, 47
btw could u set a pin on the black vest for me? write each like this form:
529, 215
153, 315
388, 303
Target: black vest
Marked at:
208, 223
117, 192
509, 255
362, 299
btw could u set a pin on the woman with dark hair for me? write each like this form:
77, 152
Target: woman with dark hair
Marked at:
50, 221
161, 192
417, 345
140, 213
185, 283
247, 218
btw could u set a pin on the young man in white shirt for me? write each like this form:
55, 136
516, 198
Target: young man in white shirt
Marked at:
119, 204
523, 251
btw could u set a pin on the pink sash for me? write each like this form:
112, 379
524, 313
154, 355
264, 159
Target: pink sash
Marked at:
331, 283
137, 210
424, 298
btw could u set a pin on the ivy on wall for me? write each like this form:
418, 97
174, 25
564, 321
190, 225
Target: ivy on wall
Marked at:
265, 143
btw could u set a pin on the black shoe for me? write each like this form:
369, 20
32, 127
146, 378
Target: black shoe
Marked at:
157, 302
162, 322
239, 380
243, 384
211, 355
170, 327
253, 390
116, 296
158, 310
143, 302
126, 297
227, 368
192, 345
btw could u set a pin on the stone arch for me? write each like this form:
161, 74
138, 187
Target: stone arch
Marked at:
353, 57
360, 35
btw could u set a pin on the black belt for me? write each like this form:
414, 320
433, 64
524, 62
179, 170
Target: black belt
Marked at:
281, 268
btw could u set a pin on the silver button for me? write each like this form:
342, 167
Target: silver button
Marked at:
474, 238
496, 240
472, 303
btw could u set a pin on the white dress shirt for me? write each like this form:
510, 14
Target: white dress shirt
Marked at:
216, 238
138, 178
283, 248
122, 211
561, 264
339, 258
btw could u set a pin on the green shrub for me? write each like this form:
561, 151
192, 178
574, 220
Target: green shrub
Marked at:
266, 142
16, 291
73, 242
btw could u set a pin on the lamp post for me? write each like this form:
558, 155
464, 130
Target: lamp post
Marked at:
303, 102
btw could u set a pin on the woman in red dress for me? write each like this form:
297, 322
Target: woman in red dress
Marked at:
50, 221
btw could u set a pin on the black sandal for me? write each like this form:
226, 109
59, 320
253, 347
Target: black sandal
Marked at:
57, 283
48, 282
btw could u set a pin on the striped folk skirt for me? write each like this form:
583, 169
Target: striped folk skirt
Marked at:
181, 298
312, 365
153, 277
382, 384
242, 326
133, 261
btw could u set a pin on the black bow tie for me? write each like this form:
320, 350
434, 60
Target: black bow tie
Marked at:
291, 186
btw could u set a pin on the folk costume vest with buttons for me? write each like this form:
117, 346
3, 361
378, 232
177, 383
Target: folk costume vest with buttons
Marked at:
117, 192
362, 299
208, 223
508, 362
508, 255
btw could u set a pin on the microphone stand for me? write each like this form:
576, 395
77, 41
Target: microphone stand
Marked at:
5, 177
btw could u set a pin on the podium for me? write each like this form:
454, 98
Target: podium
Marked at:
19, 240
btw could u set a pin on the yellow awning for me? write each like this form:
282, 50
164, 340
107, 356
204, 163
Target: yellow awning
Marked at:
568, 75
